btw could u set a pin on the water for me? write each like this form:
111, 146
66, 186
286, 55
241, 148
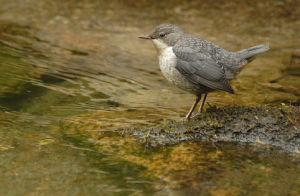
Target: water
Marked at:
74, 75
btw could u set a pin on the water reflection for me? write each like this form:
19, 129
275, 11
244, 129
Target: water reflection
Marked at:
70, 81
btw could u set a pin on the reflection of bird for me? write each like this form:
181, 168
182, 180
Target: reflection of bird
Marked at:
197, 65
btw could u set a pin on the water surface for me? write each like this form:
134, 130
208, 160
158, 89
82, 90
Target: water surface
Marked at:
74, 76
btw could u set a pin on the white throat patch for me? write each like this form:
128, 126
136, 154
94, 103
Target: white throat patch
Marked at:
160, 45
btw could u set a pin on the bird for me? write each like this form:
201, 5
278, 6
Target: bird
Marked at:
197, 65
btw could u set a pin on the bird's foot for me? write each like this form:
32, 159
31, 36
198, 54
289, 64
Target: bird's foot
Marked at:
185, 119
196, 115
188, 119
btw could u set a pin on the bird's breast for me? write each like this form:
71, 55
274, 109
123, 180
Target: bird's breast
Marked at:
167, 64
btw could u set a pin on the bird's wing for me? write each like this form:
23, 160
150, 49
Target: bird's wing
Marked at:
200, 69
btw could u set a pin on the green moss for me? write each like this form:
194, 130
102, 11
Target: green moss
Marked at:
270, 125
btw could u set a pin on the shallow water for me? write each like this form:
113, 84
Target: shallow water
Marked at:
74, 76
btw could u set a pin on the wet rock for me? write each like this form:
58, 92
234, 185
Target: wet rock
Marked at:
275, 126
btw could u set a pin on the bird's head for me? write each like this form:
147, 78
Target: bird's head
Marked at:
164, 35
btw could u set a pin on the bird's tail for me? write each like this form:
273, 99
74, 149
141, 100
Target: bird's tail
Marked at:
247, 55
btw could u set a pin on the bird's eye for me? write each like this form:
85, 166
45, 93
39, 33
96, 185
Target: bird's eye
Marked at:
162, 35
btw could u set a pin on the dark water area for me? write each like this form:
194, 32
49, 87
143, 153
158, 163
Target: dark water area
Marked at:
75, 77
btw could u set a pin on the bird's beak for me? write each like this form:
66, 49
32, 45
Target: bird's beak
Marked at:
144, 37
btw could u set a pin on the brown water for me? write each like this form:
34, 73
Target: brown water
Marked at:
74, 75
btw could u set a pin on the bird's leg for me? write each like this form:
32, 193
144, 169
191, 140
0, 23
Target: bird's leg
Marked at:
188, 116
202, 104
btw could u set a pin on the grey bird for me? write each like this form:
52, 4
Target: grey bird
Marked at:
197, 65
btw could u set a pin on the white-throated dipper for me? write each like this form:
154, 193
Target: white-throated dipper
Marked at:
197, 65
